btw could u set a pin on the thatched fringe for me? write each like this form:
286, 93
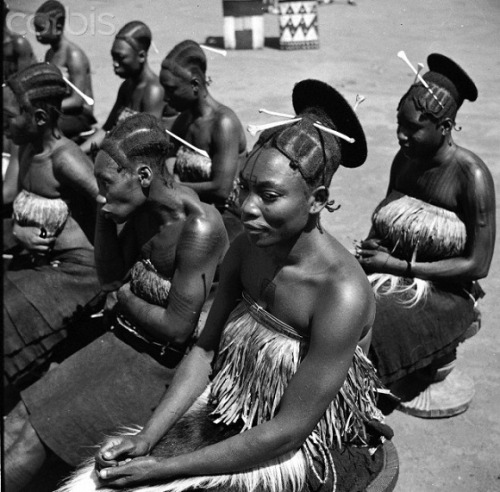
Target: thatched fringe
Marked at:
192, 166
407, 291
258, 356
30, 209
255, 364
148, 284
418, 230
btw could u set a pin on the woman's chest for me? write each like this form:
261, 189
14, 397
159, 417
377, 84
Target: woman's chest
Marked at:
438, 186
36, 175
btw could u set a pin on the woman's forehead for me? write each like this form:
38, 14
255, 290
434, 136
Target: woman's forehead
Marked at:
104, 165
121, 47
10, 101
267, 164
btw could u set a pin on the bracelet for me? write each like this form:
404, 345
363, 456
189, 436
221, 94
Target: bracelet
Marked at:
408, 272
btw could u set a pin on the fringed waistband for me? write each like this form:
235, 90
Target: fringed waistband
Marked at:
416, 230
50, 214
148, 284
258, 356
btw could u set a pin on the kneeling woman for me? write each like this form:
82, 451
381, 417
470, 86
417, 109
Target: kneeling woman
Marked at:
277, 393
172, 244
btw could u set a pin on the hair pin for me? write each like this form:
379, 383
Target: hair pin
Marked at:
334, 132
359, 100
420, 67
402, 55
84, 96
254, 129
155, 49
274, 113
187, 144
215, 50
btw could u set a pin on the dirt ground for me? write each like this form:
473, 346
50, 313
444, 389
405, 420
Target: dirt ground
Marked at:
357, 54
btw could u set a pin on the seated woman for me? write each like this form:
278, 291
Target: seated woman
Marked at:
77, 115
162, 263
141, 91
277, 395
17, 55
207, 125
52, 273
432, 238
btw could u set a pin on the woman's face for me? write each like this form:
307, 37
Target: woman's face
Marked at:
18, 124
47, 30
418, 136
120, 190
126, 61
179, 92
275, 201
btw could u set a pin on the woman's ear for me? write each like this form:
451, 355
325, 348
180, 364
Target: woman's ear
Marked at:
142, 55
319, 198
41, 117
196, 85
145, 175
447, 125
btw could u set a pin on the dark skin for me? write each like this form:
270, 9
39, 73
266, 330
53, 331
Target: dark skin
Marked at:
209, 126
61, 171
141, 90
68, 57
17, 51
282, 258
183, 238
428, 158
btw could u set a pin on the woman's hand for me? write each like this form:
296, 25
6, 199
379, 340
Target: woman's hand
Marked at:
33, 239
373, 257
123, 296
117, 451
137, 471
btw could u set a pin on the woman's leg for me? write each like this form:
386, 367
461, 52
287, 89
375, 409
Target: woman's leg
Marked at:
24, 454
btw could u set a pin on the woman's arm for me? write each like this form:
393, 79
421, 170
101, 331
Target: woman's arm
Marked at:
340, 314
114, 253
74, 170
225, 158
477, 200
152, 101
198, 253
78, 71
191, 377
98, 137
11, 179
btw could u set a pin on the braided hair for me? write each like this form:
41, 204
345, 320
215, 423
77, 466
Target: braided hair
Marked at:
450, 85
40, 85
137, 35
52, 10
315, 153
187, 59
139, 138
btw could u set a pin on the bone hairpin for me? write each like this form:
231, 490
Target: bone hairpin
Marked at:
155, 49
359, 100
215, 50
334, 132
84, 96
402, 55
187, 144
420, 67
274, 113
254, 129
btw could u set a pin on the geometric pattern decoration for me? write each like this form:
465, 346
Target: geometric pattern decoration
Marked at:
299, 25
